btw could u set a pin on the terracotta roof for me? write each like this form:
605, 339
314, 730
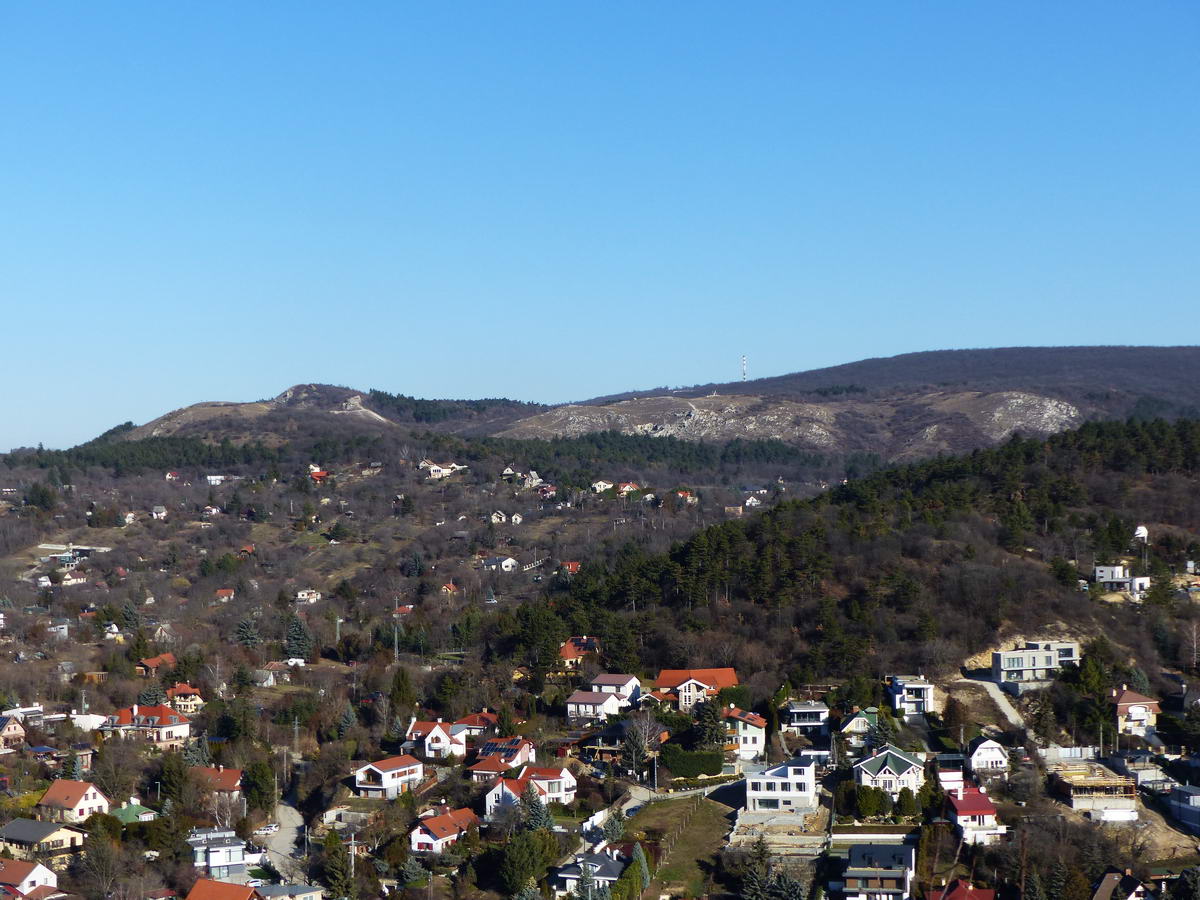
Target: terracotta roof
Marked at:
541, 774
45, 891
150, 716
579, 645
207, 889
958, 890
479, 720
714, 678
14, 871
507, 747
424, 729
449, 824
66, 794
973, 802
394, 762
182, 690
163, 659
219, 779
492, 763
742, 716
224, 592
1127, 697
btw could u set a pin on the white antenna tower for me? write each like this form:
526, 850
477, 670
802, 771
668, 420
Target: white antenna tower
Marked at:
743, 367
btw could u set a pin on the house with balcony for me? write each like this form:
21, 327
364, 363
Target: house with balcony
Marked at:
973, 815
987, 758
788, 787
911, 695
159, 725
556, 783
590, 706
1121, 578
388, 778
627, 687
856, 728
436, 740
687, 687
221, 853
1032, 666
1136, 713
807, 717
440, 829
890, 769
29, 839
877, 872
185, 699
745, 733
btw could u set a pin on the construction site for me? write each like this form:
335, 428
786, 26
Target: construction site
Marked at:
1095, 791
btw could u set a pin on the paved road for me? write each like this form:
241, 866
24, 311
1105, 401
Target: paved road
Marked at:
281, 844
1001, 698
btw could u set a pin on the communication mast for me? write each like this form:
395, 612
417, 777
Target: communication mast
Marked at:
743, 368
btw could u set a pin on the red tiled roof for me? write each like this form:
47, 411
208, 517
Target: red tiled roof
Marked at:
217, 779
14, 871
579, 645
207, 889
163, 659
958, 890
742, 716
224, 592
449, 824
150, 716
394, 762
973, 802
1127, 697
492, 763
714, 678
541, 774
479, 720
66, 794
182, 690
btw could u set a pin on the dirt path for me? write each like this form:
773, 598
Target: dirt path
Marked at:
998, 697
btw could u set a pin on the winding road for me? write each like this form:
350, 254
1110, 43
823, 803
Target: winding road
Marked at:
281, 844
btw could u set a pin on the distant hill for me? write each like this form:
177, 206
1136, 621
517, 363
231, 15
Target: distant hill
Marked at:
908, 406
903, 407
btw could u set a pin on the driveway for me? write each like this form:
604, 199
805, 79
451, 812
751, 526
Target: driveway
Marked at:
1006, 708
281, 844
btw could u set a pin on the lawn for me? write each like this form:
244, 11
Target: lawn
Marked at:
685, 872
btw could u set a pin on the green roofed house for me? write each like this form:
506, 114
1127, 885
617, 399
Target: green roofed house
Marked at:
132, 811
891, 769
858, 725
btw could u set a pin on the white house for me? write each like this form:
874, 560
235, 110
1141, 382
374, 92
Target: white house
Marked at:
504, 794
745, 732
436, 831
308, 595
71, 801
691, 686
161, 725
752, 502
878, 872
592, 706
499, 517
856, 727
389, 777
599, 487
911, 695
1120, 578
973, 815
159, 513
557, 783
1137, 714
516, 519
603, 868
987, 757
436, 740
789, 787
25, 875
500, 564
890, 769
1031, 666
627, 687
805, 717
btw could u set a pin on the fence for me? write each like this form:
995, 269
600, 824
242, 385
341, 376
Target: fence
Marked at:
667, 844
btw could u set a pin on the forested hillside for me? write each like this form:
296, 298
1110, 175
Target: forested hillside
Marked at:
912, 568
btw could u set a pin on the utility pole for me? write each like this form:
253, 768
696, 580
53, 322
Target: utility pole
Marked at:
295, 734
395, 641
353, 843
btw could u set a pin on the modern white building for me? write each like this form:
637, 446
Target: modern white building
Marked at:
809, 717
789, 787
628, 687
388, 778
591, 706
911, 695
1120, 578
1032, 666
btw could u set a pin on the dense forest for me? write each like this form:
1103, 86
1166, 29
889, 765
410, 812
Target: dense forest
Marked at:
912, 568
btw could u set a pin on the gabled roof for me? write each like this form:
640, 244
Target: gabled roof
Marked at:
741, 715
889, 757
482, 719
1127, 697
66, 794
219, 779
592, 698
156, 716
208, 889
613, 680
493, 764
14, 871
507, 747
870, 715
449, 824
712, 678
392, 763
182, 690
973, 802
418, 730
963, 890
579, 645
543, 773
163, 659
1116, 885
27, 831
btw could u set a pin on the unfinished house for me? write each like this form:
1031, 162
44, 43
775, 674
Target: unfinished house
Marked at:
1097, 792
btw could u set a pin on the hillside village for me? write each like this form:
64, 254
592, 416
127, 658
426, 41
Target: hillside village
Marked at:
421, 675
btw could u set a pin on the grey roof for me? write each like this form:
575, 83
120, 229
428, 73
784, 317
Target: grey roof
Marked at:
285, 890
889, 757
881, 856
613, 680
604, 868
27, 831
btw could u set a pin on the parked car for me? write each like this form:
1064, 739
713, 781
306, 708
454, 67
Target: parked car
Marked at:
269, 828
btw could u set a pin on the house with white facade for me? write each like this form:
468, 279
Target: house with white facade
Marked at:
857, 727
1033, 665
500, 564
599, 487
808, 717
592, 706
159, 725
890, 769
788, 787
987, 758
745, 733
911, 695
388, 778
603, 868
25, 876
1121, 578
308, 596
973, 815
687, 687
438, 830
71, 801
1137, 714
436, 740
627, 687
556, 782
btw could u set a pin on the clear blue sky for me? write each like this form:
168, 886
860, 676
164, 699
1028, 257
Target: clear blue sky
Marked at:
552, 201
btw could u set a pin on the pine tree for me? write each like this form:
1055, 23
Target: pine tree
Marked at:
754, 884
131, 619
585, 887
402, 695
196, 753
247, 634
72, 769
349, 720
529, 892
710, 726
151, 695
639, 860
1056, 880
1187, 886
299, 643
614, 825
534, 815
337, 869
785, 887
906, 804
1033, 887
412, 872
